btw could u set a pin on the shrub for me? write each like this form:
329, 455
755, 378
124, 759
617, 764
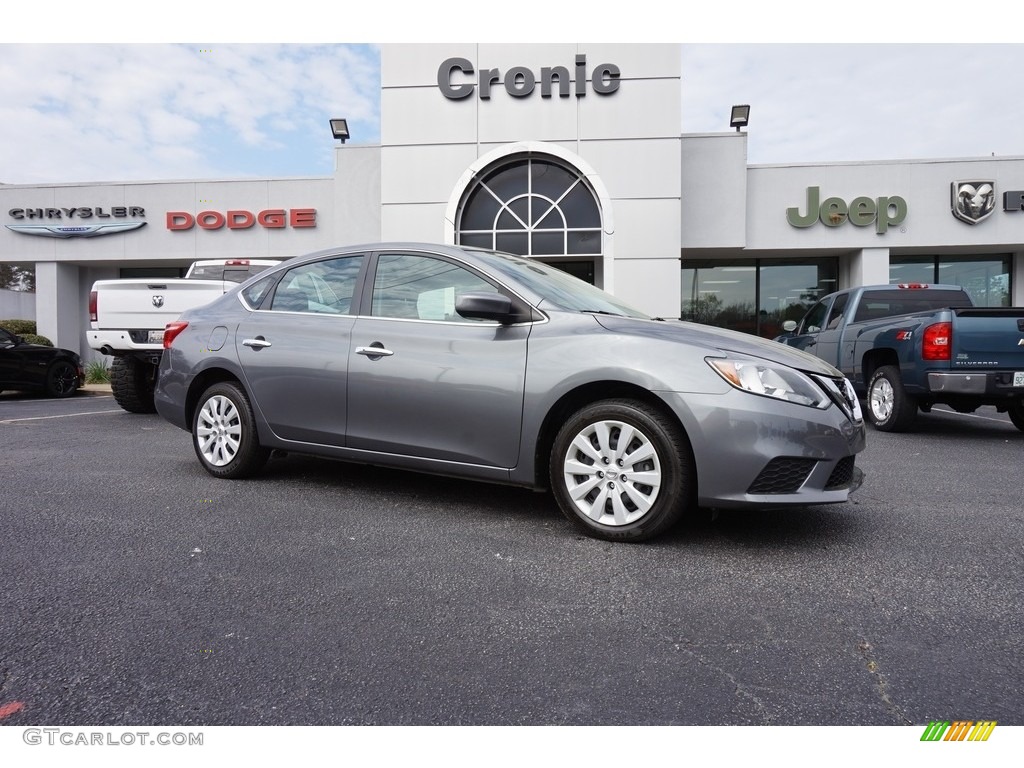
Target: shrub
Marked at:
32, 338
97, 372
20, 327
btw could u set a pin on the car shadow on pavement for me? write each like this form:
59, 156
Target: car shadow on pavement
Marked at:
985, 424
769, 528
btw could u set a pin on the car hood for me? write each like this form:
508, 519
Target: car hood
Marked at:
718, 340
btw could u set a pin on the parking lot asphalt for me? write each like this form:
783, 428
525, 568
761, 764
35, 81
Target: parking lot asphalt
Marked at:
138, 589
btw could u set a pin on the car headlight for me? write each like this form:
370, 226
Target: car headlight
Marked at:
770, 380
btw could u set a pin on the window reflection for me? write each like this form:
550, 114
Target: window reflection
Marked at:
985, 278
753, 295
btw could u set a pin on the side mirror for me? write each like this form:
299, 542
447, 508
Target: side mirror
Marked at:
485, 306
789, 326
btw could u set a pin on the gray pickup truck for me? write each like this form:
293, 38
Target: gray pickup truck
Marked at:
908, 347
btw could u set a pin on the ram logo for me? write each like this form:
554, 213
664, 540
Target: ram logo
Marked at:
973, 201
158, 301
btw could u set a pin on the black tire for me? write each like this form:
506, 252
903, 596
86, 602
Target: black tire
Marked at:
889, 407
612, 508
132, 382
224, 433
1016, 413
62, 379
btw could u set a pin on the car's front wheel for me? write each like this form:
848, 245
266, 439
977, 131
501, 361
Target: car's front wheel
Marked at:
61, 379
890, 409
1016, 412
621, 470
224, 433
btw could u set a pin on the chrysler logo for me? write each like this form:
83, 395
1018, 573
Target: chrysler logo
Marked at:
76, 230
973, 201
158, 301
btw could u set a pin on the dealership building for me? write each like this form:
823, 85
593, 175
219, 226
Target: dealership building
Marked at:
566, 153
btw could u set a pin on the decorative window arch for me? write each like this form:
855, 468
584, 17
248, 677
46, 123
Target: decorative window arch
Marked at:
533, 205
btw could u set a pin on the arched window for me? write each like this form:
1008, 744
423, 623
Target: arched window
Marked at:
531, 206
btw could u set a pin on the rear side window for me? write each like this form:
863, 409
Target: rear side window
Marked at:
835, 317
256, 292
876, 305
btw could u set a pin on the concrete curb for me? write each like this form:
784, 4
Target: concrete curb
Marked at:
94, 389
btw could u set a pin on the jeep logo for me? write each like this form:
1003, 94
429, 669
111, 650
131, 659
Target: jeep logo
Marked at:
861, 211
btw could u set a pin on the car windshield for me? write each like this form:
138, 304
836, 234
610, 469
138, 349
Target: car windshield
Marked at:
559, 288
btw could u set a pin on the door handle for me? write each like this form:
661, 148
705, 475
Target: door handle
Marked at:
258, 343
375, 351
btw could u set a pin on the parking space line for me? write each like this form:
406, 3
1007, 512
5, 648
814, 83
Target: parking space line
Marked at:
971, 415
61, 416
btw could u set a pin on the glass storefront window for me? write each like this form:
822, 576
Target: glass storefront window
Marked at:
985, 278
789, 288
726, 296
754, 295
911, 271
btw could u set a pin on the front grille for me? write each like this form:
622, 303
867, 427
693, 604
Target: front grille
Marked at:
782, 475
841, 476
839, 392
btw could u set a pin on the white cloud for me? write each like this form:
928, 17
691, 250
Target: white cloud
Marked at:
130, 112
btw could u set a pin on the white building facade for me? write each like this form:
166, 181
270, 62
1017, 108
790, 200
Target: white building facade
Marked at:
568, 153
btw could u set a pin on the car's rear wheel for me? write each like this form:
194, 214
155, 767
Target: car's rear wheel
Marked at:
621, 470
224, 433
889, 408
61, 379
132, 382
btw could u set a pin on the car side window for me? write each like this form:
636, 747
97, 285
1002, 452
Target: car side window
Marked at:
322, 287
256, 292
422, 288
813, 319
835, 317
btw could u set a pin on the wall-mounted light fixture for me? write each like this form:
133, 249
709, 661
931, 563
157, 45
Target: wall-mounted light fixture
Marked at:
740, 116
339, 127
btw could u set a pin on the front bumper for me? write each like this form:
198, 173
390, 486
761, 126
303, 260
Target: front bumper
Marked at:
753, 451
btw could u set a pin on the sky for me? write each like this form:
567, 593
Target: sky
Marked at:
119, 95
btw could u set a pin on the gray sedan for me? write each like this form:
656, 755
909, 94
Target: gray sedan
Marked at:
497, 368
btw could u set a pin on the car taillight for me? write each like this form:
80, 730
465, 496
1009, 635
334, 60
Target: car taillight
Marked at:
93, 303
171, 331
937, 342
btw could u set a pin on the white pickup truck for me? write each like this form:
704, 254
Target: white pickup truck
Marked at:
127, 319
